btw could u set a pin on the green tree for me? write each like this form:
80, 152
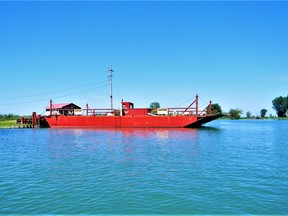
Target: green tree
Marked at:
280, 105
235, 113
154, 105
248, 114
216, 109
263, 112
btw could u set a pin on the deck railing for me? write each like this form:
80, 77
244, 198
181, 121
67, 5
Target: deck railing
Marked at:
190, 110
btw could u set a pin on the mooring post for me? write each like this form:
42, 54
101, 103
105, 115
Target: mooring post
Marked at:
34, 119
39, 120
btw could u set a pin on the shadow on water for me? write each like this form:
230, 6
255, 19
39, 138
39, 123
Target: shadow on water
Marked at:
206, 128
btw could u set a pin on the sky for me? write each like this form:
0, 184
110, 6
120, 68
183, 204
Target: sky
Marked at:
233, 53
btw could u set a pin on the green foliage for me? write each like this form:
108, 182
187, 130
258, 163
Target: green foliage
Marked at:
154, 105
280, 105
248, 114
235, 113
8, 117
216, 109
263, 112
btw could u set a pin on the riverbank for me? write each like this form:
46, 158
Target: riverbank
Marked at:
8, 124
12, 124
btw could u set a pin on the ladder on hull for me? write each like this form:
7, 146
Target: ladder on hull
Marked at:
117, 121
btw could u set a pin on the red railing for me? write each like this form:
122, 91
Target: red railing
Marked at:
190, 110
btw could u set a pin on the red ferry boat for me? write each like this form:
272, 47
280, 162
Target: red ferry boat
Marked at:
71, 115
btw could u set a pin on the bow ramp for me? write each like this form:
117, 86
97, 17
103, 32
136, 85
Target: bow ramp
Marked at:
203, 120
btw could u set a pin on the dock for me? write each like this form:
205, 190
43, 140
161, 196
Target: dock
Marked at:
33, 121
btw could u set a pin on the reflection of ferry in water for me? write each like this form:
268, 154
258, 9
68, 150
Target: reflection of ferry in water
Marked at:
71, 115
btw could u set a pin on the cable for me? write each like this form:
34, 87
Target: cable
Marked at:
26, 96
185, 102
205, 102
53, 97
81, 91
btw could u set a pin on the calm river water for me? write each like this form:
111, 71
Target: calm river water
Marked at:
230, 167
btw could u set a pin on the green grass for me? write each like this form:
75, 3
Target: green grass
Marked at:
8, 123
11, 124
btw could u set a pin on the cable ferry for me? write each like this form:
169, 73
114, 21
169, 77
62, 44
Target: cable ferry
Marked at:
71, 115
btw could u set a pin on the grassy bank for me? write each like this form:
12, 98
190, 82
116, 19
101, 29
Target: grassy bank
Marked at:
12, 124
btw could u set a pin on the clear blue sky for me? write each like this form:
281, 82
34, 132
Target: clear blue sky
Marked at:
235, 53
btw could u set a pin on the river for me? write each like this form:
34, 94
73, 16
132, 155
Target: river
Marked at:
227, 167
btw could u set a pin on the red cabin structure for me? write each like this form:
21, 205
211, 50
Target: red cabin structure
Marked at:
127, 109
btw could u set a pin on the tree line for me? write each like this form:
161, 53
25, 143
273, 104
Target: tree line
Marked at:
280, 105
7, 117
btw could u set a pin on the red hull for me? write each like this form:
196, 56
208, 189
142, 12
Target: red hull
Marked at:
128, 121
120, 121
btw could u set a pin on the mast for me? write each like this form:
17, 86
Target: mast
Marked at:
110, 76
51, 107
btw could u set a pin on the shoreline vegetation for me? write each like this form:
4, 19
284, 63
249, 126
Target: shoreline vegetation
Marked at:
9, 121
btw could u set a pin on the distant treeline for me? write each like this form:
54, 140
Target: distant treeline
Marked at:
280, 105
7, 117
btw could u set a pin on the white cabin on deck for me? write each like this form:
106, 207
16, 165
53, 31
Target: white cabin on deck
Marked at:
63, 109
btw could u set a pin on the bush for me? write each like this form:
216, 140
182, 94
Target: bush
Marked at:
235, 113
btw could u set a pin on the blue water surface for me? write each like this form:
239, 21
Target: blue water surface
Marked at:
227, 167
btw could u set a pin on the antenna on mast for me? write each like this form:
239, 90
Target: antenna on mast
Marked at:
110, 76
